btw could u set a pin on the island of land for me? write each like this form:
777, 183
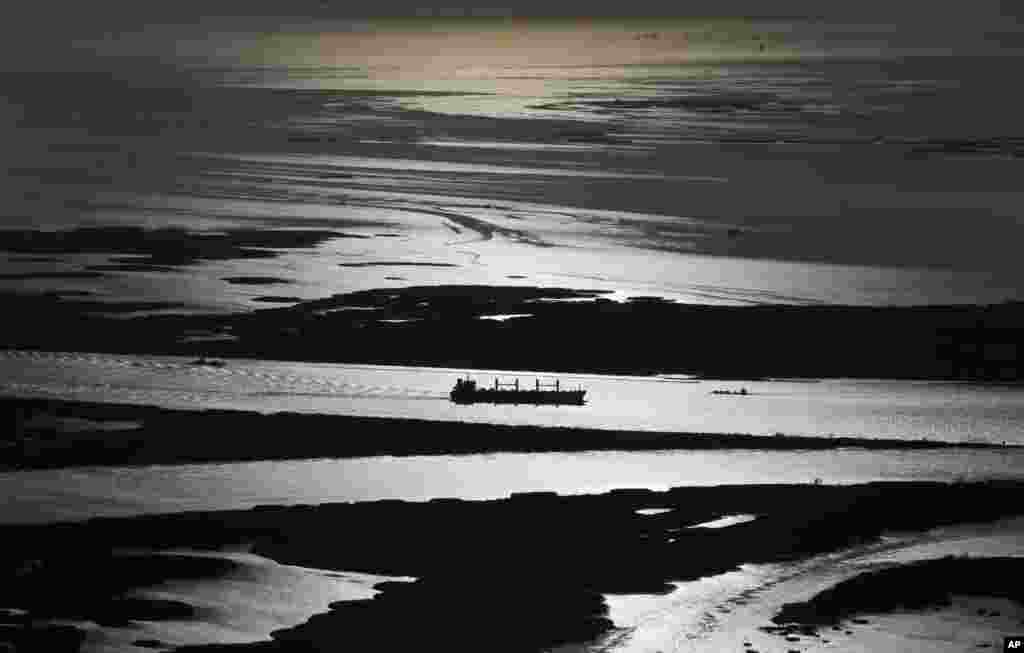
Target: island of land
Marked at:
50, 433
542, 329
534, 567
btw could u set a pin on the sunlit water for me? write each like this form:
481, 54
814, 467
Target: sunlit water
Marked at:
257, 597
855, 163
722, 612
895, 409
714, 613
75, 494
851, 163
953, 412
702, 615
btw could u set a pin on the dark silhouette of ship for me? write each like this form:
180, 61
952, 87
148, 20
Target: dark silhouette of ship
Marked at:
466, 391
742, 392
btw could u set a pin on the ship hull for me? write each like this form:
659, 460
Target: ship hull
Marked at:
536, 397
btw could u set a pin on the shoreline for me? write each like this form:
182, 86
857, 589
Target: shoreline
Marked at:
543, 563
653, 335
924, 584
957, 601
132, 435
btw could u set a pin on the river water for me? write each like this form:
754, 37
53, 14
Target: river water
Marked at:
715, 613
953, 412
795, 161
897, 409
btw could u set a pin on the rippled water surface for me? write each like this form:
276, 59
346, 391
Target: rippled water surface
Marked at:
723, 161
895, 409
872, 159
954, 412
75, 494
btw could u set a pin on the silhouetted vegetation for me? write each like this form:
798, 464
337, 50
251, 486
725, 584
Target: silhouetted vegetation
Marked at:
440, 326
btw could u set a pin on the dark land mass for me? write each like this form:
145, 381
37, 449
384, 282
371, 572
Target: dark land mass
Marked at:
710, 103
33, 259
166, 436
168, 246
443, 328
523, 573
18, 635
71, 274
64, 294
256, 280
1006, 146
911, 586
397, 264
90, 582
132, 267
79, 311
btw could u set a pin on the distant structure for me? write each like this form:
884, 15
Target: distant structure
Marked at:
466, 391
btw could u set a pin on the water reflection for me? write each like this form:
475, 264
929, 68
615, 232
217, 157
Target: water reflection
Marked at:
886, 409
48, 495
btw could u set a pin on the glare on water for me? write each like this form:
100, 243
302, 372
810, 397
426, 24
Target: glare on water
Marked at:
911, 410
954, 412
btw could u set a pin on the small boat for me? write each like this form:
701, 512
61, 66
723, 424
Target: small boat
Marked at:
466, 391
742, 392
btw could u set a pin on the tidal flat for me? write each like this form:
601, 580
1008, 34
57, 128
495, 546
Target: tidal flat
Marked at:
55, 433
546, 558
448, 326
265, 237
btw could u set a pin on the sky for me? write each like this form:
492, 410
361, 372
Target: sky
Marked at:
54, 34
153, 110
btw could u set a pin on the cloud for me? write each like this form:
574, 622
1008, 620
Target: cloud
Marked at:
54, 34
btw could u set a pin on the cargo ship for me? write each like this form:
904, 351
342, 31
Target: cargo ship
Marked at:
466, 391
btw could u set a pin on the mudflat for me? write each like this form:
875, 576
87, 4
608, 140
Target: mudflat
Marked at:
123, 434
533, 566
550, 329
